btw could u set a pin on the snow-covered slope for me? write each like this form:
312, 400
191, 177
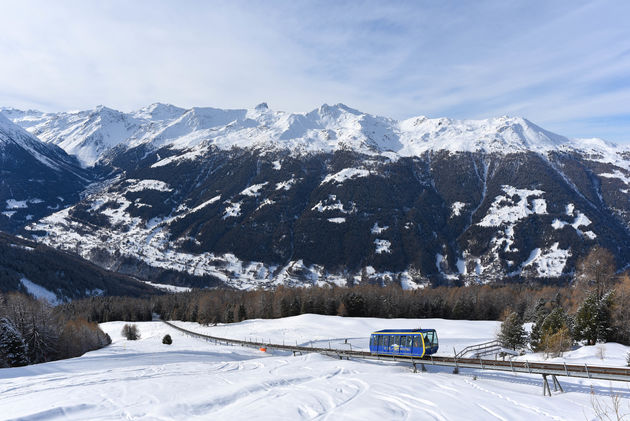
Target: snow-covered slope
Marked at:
13, 135
89, 135
35, 178
194, 380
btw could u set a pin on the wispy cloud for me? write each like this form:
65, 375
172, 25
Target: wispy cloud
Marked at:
564, 65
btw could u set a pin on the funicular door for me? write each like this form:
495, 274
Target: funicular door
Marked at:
384, 343
394, 344
402, 347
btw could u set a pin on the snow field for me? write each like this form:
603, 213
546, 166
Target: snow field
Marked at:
193, 379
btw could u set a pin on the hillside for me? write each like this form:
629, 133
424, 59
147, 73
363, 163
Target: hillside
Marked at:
56, 275
256, 197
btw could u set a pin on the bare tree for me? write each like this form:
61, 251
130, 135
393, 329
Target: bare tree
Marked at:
597, 270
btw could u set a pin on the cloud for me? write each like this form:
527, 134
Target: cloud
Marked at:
564, 65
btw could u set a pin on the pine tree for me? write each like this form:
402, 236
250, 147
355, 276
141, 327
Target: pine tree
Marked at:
512, 334
13, 350
242, 313
540, 313
593, 321
130, 332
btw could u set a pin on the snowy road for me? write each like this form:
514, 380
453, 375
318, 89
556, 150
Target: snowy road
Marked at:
192, 379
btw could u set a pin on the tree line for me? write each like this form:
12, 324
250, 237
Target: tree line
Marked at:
594, 308
598, 312
32, 331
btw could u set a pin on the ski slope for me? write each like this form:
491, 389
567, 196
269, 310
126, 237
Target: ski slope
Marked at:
193, 379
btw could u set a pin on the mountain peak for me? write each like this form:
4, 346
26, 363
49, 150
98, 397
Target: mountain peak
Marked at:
159, 111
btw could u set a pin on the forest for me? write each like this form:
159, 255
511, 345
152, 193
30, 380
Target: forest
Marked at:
32, 331
595, 307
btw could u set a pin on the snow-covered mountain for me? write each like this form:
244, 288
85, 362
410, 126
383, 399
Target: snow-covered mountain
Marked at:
36, 178
90, 135
257, 197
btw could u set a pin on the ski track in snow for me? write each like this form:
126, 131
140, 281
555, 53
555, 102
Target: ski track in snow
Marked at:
194, 379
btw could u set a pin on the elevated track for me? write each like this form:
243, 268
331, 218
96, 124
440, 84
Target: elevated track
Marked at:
545, 369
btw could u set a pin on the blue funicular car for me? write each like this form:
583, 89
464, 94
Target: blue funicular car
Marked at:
411, 342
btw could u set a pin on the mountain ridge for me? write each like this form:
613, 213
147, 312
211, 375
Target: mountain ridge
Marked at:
91, 134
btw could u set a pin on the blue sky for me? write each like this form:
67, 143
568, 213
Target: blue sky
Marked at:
565, 65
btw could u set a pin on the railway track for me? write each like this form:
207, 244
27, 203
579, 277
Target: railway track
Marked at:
545, 369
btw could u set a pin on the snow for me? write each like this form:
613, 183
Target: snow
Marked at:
147, 184
9, 214
539, 206
580, 220
206, 203
194, 379
233, 210
286, 185
382, 246
265, 203
40, 292
617, 174
378, 230
277, 165
16, 204
461, 266
337, 220
456, 208
558, 224
549, 263
505, 209
332, 204
168, 288
345, 174
253, 190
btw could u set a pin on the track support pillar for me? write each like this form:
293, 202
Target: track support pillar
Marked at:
556, 384
546, 389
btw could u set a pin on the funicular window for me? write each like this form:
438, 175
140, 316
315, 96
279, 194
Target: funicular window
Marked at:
403, 341
409, 341
379, 340
430, 338
416, 341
